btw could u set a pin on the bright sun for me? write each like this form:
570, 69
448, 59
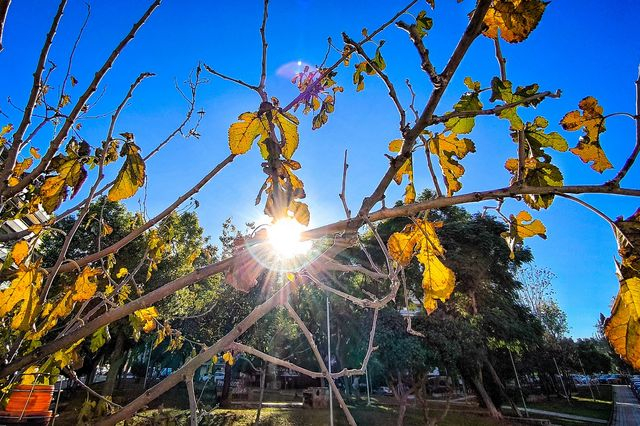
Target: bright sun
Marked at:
284, 237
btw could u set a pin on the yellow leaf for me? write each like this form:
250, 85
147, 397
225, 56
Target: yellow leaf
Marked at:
288, 126
446, 147
131, 175
22, 291
6, 129
147, 317
108, 290
64, 101
106, 229
515, 19
291, 277
122, 272
29, 375
591, 120
622, 329
34, 152
591, 152
20, 252
36, 229
522, 226
244, 132
19, 170
60, 309
300, 212
86, 285
71, 173
420, 238
214, 360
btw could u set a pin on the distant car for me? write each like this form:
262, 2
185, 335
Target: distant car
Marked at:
384, 390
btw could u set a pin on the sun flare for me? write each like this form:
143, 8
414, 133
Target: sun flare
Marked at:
284, 238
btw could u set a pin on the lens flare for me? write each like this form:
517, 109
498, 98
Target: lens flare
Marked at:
284, 238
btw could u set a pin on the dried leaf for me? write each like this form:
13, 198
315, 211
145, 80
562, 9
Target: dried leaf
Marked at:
515, 19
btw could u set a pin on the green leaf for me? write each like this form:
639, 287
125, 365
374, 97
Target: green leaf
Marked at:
502, 90
423, 23
99, 338
468, 102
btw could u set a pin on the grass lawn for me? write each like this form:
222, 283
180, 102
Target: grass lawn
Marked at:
581, 404
304, 417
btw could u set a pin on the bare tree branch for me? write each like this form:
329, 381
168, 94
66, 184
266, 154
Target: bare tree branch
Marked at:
4, 9
8, 192
36, 89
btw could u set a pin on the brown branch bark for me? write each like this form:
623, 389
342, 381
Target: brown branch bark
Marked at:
425, 61
4, 9
193, 403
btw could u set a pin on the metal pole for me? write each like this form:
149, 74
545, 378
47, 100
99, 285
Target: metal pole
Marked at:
588, 380
329, 365
524, 403
366, 372
566, 395
146, 371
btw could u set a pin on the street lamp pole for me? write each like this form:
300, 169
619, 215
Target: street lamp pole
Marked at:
329, 365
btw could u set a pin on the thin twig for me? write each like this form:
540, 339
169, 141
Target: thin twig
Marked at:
502, 62
425, 61
36, 89
307, 334
72, 374
226, 77
263, 37
636, 150
392, 91
4, 9
342, 194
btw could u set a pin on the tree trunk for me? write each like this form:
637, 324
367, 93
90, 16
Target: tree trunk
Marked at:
486, 399
225, 399
116, 360
263, 373
496, 379
402, 409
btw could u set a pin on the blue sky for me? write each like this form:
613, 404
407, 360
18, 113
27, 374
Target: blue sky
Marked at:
581, 47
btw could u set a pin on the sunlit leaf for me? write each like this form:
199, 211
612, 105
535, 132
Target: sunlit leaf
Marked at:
522, 226
591, 120
85, 285
419, 239
99, 338
71, 173
20, 252
22, 293
468, 102
131, 175
288, 125
244, 132
503, 90
515, 19
446, 147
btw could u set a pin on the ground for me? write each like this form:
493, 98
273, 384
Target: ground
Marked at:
171, 409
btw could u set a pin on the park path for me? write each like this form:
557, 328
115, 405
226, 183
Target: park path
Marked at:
626, 410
